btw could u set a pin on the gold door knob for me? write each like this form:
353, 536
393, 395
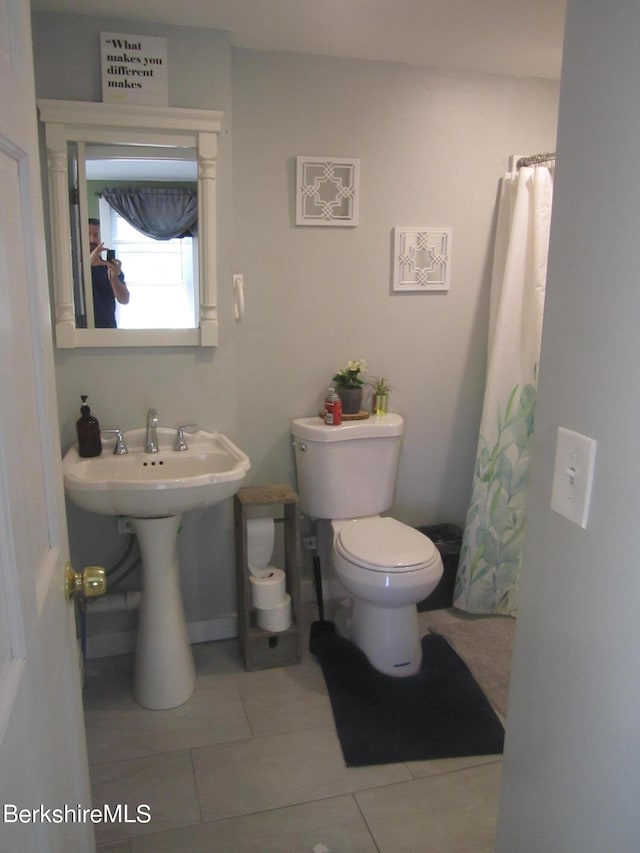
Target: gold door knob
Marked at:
88, 583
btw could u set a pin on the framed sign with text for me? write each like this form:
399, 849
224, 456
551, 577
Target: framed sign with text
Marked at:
134, 69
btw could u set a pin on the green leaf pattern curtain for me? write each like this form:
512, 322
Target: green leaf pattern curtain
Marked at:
490, 560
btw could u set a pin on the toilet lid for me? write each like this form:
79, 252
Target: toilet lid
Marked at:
385, 545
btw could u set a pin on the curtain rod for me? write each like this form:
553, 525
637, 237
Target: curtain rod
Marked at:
536, 160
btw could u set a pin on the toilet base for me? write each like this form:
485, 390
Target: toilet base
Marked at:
389, 637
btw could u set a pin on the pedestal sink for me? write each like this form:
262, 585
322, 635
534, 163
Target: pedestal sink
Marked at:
154, 489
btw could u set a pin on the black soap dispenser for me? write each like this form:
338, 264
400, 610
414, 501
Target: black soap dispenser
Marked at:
88, 429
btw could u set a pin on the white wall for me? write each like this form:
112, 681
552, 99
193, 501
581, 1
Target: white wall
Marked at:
432, 146
572, 770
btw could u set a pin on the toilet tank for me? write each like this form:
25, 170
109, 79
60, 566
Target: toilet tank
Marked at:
347, 471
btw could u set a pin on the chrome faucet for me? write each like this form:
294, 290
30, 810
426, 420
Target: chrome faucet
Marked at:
121, 448
151, 445
180, 443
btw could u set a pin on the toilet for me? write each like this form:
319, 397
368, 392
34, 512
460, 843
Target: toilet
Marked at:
346, 478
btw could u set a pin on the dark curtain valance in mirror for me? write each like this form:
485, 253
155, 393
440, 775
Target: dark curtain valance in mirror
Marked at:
159, 213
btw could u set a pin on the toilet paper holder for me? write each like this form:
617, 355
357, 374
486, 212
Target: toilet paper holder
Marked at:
275, 644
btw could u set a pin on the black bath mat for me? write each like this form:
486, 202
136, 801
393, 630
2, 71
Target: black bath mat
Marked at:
440, 712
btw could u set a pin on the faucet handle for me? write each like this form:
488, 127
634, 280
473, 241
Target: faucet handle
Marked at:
120, 449
181, 444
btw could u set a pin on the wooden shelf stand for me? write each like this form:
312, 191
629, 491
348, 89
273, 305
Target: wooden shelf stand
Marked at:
263, 649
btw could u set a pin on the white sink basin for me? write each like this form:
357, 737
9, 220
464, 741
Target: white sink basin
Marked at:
154, 489
149, 485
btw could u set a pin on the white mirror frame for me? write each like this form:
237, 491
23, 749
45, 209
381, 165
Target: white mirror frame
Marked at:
76, 121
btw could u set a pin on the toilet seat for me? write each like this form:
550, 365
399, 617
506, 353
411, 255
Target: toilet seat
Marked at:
383, 544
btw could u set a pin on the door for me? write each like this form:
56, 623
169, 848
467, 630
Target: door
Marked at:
43, 763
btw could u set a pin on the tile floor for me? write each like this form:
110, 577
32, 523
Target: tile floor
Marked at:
252, 763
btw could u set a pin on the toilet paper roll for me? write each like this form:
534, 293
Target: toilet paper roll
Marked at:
260, 539
276, 618
268, 590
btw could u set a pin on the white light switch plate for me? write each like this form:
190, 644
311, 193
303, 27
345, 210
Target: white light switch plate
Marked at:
573, 476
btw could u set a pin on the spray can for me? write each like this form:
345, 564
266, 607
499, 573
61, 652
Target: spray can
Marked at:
332, 408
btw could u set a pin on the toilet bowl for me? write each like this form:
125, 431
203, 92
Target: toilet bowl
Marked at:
387, 568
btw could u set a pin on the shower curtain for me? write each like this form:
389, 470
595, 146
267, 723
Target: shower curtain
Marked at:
489, 569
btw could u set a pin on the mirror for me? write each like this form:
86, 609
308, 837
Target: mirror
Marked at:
142, 203
145, 177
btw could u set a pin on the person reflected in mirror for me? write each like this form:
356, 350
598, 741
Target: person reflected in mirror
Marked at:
107, 281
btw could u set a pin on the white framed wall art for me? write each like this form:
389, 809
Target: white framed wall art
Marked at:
327, 191
421, 258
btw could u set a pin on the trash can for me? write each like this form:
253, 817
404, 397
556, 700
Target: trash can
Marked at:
448, 540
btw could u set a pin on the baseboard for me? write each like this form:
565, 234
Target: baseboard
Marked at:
203, 631
123, 642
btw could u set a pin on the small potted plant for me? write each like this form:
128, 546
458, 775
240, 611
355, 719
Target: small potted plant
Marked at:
349, 386
381, 391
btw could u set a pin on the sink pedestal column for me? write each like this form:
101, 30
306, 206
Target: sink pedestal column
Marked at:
164, 673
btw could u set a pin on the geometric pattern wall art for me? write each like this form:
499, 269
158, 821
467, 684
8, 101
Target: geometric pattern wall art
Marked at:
421, 259
327, 191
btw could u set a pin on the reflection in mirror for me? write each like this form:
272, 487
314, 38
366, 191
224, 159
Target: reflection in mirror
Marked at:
138, 182
108, 285
142, 206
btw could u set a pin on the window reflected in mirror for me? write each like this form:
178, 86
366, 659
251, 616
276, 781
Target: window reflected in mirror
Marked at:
141, 204
159, 274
